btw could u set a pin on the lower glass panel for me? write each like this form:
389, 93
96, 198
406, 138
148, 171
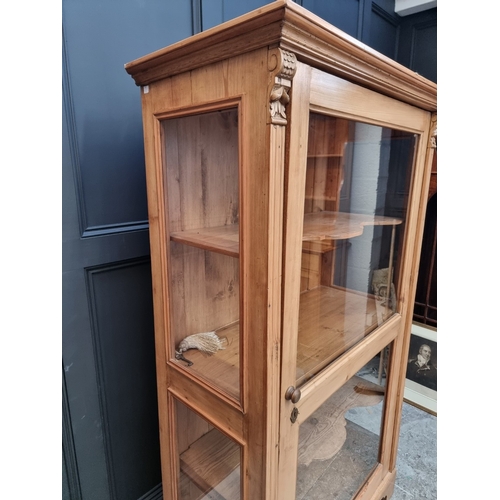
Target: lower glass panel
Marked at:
209, 460
339, 443
205, 298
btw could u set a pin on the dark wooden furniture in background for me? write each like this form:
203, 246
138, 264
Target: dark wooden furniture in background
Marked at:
425, 311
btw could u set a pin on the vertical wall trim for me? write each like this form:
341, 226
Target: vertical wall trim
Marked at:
414, 31
393, 19
68, 110
68, 447
196, 16
388, 16
361, 18
398, 41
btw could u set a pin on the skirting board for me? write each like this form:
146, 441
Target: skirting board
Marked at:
154, 494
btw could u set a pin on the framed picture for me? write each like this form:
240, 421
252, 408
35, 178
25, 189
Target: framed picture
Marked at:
421, 370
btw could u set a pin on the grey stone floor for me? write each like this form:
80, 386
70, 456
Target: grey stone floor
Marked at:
416, 474
417, 456
324, 474
338, 477
416, 477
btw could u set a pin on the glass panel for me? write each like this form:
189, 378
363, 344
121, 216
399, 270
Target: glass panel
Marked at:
339, 443
209, 462
357, 184
202, 163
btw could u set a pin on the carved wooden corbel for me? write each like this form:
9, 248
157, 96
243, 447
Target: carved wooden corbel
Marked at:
433, 136
284, 65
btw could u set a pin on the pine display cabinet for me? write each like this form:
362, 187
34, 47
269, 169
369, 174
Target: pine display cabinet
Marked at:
286, 165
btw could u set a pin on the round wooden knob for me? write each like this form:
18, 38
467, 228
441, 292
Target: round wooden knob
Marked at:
292, 394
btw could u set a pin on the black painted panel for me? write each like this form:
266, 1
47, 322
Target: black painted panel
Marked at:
234, 9
417, 47
100, 38
124, 347
383, 32
70, 480
211, 13
215, 12
109, 455
341, 13
386, 5
424, 58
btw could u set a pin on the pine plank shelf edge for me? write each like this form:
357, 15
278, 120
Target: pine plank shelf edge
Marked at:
318, 226
206, 463
325, 225
222, 239
325, 333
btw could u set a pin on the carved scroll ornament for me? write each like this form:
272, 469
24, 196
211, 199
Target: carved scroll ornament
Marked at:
434, 133
285, 65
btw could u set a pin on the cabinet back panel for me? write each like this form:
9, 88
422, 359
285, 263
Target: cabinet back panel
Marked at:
202, 176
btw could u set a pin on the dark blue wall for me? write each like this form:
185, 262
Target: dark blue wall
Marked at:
418, 42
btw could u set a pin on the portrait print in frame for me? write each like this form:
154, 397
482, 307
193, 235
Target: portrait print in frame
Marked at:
421, 369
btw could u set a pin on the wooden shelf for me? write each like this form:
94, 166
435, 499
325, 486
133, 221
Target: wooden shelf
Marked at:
331, 321
209, 468
212, 464
223, 367
320, 198
318, 226
326, 155
222, 239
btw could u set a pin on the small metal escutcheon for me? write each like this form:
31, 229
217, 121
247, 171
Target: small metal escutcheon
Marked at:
294, 415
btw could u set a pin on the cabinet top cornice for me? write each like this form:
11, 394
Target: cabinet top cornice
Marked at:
314, 41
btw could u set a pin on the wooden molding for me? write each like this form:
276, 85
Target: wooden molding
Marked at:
285, 65
434, 133
294, 29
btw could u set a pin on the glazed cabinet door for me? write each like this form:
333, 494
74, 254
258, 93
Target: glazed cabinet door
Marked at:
355, 174
200, 157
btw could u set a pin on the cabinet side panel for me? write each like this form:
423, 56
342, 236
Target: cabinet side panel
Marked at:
243, 80
158, 268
